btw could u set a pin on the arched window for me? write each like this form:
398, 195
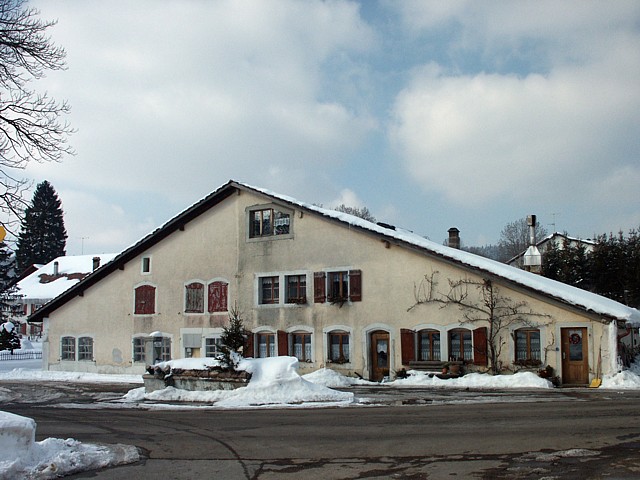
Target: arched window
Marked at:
68, 348
428, 345
338, 346
460, 345
194, 298
145, 300
85, 348
217, 297
301, 346
528, 347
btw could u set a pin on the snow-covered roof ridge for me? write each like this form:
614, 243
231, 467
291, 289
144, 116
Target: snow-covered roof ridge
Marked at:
572, 295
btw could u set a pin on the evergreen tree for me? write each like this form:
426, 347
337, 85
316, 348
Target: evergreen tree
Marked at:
9, 338
570, 264
232, 338
43, 236
7, 281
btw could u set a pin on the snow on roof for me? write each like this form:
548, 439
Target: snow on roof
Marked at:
574, 296
44, 285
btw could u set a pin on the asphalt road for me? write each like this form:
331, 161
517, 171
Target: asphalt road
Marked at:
418, 434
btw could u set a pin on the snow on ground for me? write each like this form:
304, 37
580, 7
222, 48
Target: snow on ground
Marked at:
274, 383
23, 457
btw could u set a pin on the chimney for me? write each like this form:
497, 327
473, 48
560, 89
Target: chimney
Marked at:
96, 263
454, 237
56, 268
532, 258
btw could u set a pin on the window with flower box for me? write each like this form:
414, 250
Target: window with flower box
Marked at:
528, 347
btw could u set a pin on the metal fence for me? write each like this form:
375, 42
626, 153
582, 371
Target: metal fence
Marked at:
20, 355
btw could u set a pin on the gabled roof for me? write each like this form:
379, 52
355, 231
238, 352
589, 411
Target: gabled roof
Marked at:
44, 284
554, 236
580, 299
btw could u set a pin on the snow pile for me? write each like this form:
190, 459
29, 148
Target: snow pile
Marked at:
22, 457
626, 379
475, 380
274, 382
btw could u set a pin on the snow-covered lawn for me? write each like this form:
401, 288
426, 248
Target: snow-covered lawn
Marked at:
275, 383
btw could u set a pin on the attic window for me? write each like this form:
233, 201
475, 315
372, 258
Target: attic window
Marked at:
269, 222
146, 265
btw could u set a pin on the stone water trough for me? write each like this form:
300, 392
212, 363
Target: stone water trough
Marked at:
213, 378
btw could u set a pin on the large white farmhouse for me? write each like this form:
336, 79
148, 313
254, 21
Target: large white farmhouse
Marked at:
329, 288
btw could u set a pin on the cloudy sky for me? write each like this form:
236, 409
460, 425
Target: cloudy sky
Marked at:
432, 114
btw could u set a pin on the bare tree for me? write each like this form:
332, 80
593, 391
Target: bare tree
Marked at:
514, 238
363, 212
30, 125
480, 302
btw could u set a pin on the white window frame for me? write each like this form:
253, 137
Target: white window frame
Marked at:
282, 288
273, 236
148, 260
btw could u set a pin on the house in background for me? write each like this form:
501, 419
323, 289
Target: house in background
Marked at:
331, 289
558, 240
45, 282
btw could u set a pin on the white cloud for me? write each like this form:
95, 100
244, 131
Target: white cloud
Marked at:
349, 198
561, 134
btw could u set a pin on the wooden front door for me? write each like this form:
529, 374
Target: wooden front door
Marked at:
379, 355
575, 356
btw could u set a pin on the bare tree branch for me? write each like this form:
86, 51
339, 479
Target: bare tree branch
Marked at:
30, 124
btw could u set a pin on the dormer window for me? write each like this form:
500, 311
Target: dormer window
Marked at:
269, 222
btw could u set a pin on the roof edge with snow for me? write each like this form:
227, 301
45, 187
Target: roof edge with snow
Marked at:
566, 294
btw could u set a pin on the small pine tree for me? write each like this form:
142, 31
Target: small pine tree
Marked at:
9, 338
43, 236
232, 338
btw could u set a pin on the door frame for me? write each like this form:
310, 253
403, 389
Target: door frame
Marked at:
384, 334
568, 369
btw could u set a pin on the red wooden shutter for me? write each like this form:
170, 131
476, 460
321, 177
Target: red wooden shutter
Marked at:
480, 346
217, 297
319, 287
247, 351
407, 345
283, 343
355, 285
145, 300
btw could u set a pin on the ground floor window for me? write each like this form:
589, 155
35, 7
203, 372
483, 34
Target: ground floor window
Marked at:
85, 348
139, 349
460, 345
212, 346
429, 345
161, 349
339, 347
68, 348
528, 347
266, 345
301, 346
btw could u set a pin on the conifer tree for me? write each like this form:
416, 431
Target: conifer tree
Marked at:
233, 338
43, 236
9, 338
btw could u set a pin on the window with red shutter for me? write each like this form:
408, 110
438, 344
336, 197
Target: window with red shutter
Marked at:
248, 350
217, 297
319, 287
194, 298
480, 356
355, 285
407, 345
145, 300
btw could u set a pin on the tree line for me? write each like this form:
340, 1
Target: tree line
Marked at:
610, 269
